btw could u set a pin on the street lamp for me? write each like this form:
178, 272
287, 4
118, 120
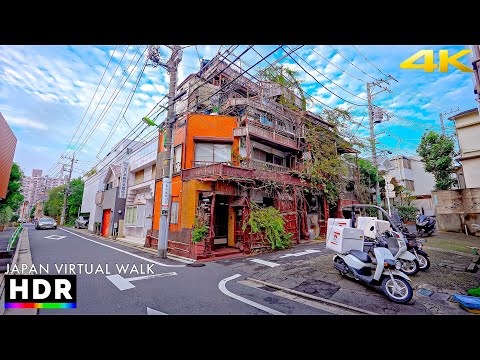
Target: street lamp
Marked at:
149, 122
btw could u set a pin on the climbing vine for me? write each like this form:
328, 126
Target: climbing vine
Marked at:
200, 228
288, 78
270, 221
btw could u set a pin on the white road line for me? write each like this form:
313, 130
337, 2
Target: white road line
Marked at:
264, 262
306, 252
154, 312
223, 289
54, 237
123, 251
125, 283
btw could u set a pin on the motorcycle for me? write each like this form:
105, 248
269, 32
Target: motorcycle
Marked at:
358, 265
414, 245
425, 225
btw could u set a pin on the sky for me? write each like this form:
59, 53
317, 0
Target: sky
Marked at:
61, 100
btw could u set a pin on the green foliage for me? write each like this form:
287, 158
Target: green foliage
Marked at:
32, 212
288, 78
437, 152
53, 206
14, 198
270, 221
407, 212
74, 200
199, 232
15, 217
324, 165
5, 215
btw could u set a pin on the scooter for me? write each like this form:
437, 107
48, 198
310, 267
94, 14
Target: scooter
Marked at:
425, 225
358, 265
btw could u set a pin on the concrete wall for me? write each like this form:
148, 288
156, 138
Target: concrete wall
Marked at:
468, 133
426, 204
456, 208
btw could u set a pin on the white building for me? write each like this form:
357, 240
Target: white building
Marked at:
410, 173
95, 182
35, 188
140, 192
467, 125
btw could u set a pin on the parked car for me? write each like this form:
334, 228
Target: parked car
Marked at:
81, 222
46, 223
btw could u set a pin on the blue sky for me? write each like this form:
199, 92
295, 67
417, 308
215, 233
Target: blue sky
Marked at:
45, 92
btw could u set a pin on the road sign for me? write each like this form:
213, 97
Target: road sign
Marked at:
390, 187
390, 194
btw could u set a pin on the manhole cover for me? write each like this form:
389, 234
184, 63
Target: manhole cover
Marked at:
196, 264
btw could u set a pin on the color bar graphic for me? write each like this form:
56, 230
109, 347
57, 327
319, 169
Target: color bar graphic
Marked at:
40, 305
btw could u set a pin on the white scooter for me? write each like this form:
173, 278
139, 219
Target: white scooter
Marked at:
350, 261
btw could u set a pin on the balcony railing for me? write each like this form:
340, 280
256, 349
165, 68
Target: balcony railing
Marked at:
206, 163
266, 133
262, 165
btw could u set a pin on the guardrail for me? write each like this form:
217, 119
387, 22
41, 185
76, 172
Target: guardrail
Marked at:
14, 238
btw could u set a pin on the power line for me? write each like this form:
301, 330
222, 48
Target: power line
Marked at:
352, 63
314, 78
370, 61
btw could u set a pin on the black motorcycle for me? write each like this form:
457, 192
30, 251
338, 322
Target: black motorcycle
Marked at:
425, 225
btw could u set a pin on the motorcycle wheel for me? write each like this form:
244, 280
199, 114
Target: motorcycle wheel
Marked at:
401, 294
410, 268
340, 261
424, 262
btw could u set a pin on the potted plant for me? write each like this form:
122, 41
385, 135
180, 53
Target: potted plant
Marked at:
200, 231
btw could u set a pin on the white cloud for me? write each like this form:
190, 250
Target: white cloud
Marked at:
27, 123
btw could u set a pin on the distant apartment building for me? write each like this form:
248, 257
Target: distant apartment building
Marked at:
35, 188
8, 142
104, 194
467, 127
410, 173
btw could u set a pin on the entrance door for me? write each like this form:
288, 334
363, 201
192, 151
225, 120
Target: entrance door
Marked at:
106, 222
221, 220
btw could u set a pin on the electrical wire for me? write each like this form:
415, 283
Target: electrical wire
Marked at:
369, 61
353, 64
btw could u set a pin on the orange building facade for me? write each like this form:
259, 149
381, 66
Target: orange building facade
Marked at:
210, 174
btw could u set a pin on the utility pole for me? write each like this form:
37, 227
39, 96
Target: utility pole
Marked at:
370, 95
167, 166
441, 119
67, 189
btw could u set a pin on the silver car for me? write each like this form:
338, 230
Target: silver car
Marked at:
46, 223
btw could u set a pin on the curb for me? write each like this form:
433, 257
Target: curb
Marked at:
22, 255
312, 297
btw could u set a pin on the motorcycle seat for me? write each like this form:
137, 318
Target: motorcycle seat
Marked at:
360, 255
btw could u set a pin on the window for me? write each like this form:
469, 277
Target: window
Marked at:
206, 153
109, 186
177, 159
131, 215
139, 176
174, 213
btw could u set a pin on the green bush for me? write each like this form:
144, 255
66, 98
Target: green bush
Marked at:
6, 214
408, 213
15, 217
270, 221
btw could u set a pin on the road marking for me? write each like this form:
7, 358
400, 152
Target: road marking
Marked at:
123, 251
264, 262
223, 289
54, 237
125, 283
306, 252
154, 312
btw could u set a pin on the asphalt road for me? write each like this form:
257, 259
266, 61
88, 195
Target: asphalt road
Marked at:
174, 289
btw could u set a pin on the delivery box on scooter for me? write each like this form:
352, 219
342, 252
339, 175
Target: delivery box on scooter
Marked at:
338, 222
379, 226
342, 239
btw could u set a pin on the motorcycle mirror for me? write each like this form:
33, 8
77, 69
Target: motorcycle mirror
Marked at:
372, 228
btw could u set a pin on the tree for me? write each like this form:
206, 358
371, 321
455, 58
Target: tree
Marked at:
74, 201
437, 153
368, 177
288, 78
32, 212
14, 198
53, 206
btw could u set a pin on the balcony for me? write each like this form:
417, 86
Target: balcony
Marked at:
263, 165
99, 197
267, 133
219, 171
